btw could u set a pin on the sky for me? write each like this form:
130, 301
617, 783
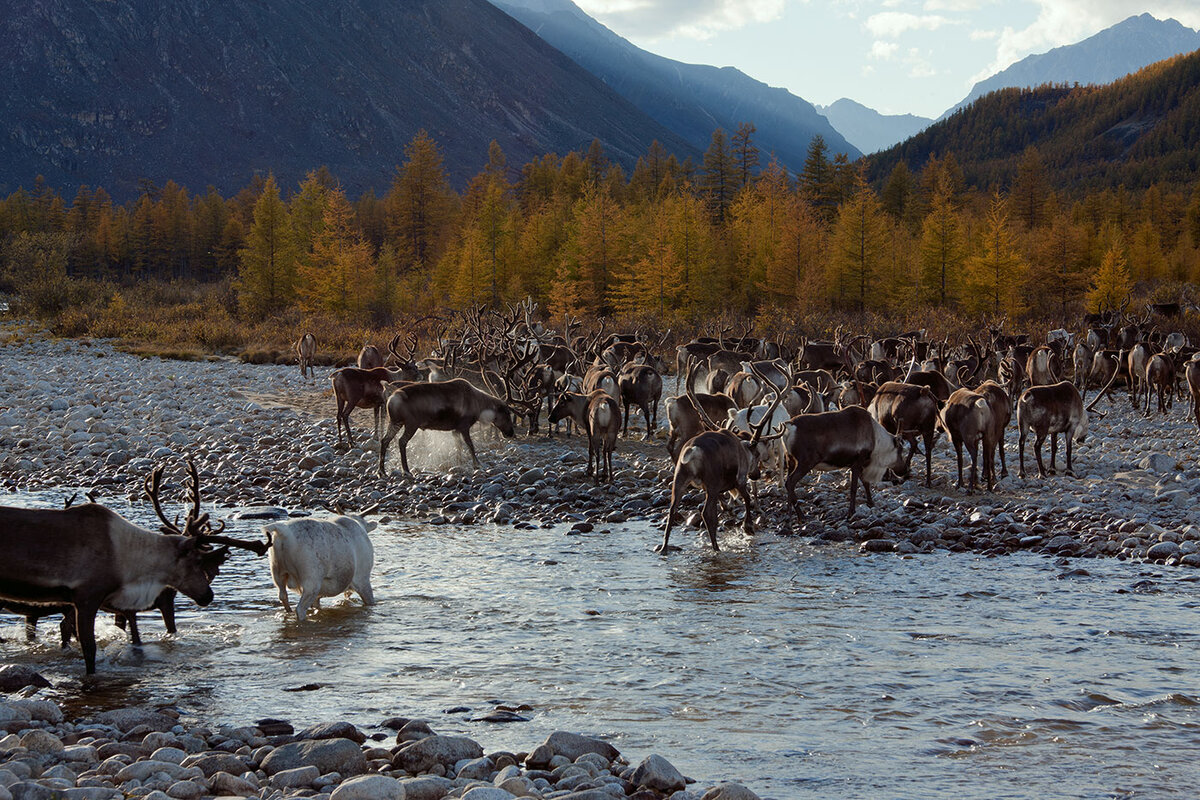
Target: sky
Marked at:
896, 56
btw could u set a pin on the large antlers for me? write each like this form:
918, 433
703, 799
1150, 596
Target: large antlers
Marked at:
196, 524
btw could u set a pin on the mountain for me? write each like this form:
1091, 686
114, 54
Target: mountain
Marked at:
1112, 53
867, 129
691, 99
212, 91
1134, 132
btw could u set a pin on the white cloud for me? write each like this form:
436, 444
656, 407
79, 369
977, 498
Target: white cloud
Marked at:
918, 66
891, 24
983, 36
692, 19
884, 51
958, 6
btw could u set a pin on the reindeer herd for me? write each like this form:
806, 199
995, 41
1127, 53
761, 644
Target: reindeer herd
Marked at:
743, 406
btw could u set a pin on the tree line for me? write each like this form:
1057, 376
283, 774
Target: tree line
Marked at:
672, 240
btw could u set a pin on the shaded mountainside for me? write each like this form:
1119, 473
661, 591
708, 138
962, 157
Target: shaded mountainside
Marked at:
210, 91
1140, 130
690, 99
867, 129
1111, 54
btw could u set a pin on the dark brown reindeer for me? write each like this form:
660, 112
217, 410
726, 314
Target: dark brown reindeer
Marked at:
716, 461
847, 439
1160, 375
685, 420
911, 411
453, 405
306, 350
640, 385
364, 388
1049, 411
91, 558
1001, 415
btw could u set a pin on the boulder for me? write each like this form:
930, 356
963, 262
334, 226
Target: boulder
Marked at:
729, 791
213, 762
327, 755
15, 677
426, 787
126, 719
573, 745
658, 774
370, 787
333, 730
421, 755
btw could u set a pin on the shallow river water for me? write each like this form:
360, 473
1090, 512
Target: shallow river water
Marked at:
800, 671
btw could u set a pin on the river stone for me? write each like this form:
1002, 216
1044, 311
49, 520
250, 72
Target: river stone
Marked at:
487, 793
1190, 560
333, 730
447, 751
95, 793
262, 512
1062, 542
186, 790
141, 770
1162, 551
877, 546
370, 787
656, 773
44, 710
327, 755
213, 762
172, 754
729, 791
426, 787
40, 741
126, 719
297, 778
232, 786
1158, 462
573, 745
15, 677
476, 769
599, 794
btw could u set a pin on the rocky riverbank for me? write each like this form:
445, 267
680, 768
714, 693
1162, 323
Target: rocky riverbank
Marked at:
79, 414
153, 753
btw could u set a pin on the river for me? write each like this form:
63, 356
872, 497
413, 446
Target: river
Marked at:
800, 671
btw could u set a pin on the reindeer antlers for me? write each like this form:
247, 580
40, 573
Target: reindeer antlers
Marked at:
196, 524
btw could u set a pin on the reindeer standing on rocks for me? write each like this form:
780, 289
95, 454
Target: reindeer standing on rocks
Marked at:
306, 350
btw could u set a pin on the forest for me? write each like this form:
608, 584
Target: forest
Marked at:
671, 243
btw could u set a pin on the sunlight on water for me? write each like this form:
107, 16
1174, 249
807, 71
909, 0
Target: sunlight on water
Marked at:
799, 671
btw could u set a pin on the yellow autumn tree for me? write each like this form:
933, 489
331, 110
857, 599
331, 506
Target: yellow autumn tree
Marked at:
340, 274
997, 272
1111, 284
595, 245
857, 249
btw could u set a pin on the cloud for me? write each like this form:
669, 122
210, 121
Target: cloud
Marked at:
1061, 22
918, 66
884, 51
982, 36
891, 24
692, 19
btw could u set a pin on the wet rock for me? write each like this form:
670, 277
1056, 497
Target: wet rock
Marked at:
295, 778
327, 755
262, 512
42, 741
877, 546
333, 730
423, 754
232, 786
729, 791
126, 719
274, 727
1162, 551
214, 762
14, 677
477, 769
426, 787
658, 774
487, 793
573, 745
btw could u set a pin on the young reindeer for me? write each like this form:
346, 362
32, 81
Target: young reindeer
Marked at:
717, 461
306, 349
967, 419
1192, 372
600, 417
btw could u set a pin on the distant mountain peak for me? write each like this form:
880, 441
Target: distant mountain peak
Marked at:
867, 129
1113, 53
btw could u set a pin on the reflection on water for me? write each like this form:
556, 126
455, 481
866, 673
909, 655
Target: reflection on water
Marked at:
801, 671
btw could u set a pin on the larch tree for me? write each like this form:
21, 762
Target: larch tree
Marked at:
858, 246
267, 263
996, 274
1030, 189
943, 252
595, 243
1058, 269
652, 282
817, 179
745, 152
1111, 284
719, 176
339, 276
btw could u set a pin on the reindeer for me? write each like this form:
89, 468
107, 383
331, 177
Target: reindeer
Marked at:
744, 388
1160, 374
1049, 411
1001, 408
1081, 362
640, 385
847, 439
306, 349
967, 419
597, 414
600, 376
89, 557
369, 357
449, 406
1038, 367
909, 411
686, 421
1192, 373
1136, 361
717, 461
694, 352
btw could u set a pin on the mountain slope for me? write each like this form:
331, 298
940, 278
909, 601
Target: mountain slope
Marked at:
867, 129
1111, 54
210, 91
690, 99
1137, 131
